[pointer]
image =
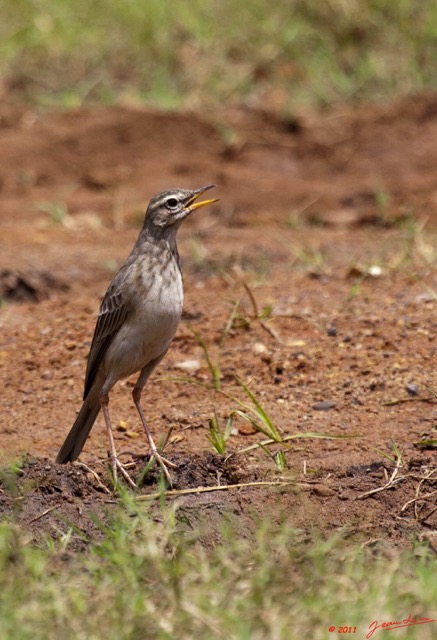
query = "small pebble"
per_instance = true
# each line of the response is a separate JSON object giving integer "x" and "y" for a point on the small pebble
{"x": 375, "y": 271}
{"x": 323, "y": 405}
{"x": 331, "y": 331}
{"x": 412, "y": 389}
{"x": 323, "y": 491}
{"x": 188, "y": 365}
{"x": 259, "y": 347}
{"x": 296, "y": 343}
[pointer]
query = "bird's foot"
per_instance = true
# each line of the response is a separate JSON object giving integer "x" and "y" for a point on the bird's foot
{"x": 118, "y": 466}
{"x": 164, "y": 464}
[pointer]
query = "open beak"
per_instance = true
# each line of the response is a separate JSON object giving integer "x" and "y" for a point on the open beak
{"x": 192, "y": 205}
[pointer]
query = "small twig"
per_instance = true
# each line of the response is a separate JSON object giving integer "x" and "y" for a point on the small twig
{"x": 252, "y": 298}
{"x": 392, "y": 403}
{"x": 418, "y": 497}
{"x": 296, "y": 436}
{"x": 430, "y": 390}
{"x": 95, "y": 476}
{"x": 428, "y": 515}
{"x": 224, "y": 487}
{"x": 43, "y": 514}
{"x": 414, "y": 476}
{"x": 166, "y": 439}
{"x": 257, "y": 314}
{"x": 231, "y": 319}
{"x": 391, "y": 482}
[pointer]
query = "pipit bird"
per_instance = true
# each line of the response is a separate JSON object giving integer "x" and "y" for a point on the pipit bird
{"x": 138, "y": 318}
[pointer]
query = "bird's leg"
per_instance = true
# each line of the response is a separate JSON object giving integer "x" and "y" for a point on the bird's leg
{"x": 115, "y": 462}
{"x": 136, "y": 395}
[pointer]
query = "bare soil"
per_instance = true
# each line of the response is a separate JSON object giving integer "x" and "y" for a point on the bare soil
{"x": 318, "y": 230}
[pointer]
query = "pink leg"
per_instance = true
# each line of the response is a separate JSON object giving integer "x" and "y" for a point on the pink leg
{"x": 115, "y": 462}
{"x": 136, "y": 395}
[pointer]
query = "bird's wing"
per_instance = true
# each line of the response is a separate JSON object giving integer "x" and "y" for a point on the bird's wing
{"x": 113, "y": 311}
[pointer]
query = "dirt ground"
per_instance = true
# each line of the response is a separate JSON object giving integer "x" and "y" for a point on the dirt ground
{"x": 313, "y": 280}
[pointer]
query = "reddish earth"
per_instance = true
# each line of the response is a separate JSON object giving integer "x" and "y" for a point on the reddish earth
{"x": 325, "y": 225}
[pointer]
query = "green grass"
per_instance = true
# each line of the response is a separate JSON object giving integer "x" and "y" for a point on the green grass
{"x": 149, "y": 579}
{"x": 204, "y": 52}
{"x": 219, "y": 436}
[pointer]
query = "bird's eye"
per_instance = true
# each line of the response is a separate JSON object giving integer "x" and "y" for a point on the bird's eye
{"x": 172, "y": 203}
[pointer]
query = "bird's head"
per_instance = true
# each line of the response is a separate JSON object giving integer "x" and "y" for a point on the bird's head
{"x": 169, "y": 208}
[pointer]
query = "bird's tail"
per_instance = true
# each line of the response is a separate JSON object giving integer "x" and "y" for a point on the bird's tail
{"x": 80, "y": 430}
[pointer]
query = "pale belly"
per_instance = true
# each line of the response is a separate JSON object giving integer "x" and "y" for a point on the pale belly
{"x": 147, "y": 333}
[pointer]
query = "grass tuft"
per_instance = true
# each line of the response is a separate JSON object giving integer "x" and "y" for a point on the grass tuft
{"x": 148, "y": 579}
{"x": 219, "y": 437}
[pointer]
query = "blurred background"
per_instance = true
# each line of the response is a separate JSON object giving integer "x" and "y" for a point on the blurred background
{"x": 282, "y": 56}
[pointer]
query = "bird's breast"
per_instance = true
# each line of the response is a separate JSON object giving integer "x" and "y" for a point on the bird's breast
{"x": 163, "y": 297}
{"x": 151, "y": 324}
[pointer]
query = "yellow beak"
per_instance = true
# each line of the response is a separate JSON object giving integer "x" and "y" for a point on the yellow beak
{"x": 192, "y": 205}
{"x": 202, "y": 203}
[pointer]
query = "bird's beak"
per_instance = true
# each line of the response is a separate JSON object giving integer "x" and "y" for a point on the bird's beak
{"x": 192, "y": 205}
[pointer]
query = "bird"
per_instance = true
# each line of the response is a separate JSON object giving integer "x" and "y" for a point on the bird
{"x": 138, "y": 318}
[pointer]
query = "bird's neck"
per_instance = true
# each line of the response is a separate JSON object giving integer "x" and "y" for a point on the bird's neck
{"x": 162, "y": 237}
{"x": 158, "y": 241}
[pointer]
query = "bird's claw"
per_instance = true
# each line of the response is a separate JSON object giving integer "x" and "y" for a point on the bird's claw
{"x": 116, "y": 464}
{"x": 164, "y": 463}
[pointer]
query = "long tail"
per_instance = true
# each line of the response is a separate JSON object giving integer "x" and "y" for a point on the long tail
{"x": 80, "y": 430}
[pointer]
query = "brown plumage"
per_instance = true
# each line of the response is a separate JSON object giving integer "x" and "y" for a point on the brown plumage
{"x": 138, "y": 318}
